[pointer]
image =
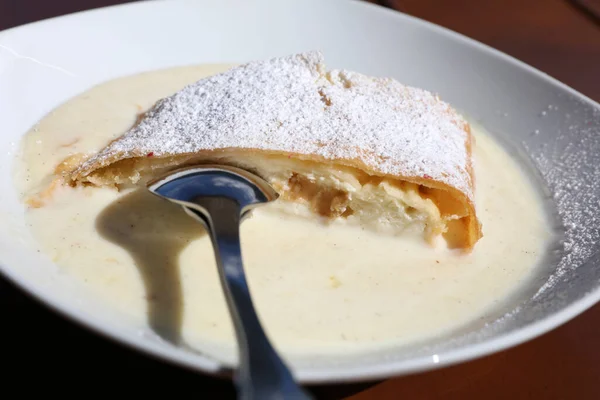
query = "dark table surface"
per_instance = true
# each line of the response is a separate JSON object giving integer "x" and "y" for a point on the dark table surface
{"x": 559, "y": 37}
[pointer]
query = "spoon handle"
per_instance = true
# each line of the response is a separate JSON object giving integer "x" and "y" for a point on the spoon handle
{"x": 261, "y": 373}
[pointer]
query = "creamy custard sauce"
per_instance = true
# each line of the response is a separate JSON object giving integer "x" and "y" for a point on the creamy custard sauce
{"x": 318, "y": 289}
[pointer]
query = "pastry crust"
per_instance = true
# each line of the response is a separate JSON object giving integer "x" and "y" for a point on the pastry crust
{"x": 291, "y": 108}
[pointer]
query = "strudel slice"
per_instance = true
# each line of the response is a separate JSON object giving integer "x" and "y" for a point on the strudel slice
{"x": 338, "y": 143}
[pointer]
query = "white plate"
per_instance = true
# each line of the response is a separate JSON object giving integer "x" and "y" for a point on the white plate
{"x": 44, "y": 64}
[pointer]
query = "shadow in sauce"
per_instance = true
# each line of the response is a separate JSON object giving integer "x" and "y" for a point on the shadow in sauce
{"x": 154, "y": 232}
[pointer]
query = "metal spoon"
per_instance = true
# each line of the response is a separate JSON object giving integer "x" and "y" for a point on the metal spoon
{"x": 219, "y": 197}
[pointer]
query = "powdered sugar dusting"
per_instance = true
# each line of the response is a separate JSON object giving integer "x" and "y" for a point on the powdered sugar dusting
{"x": 292, "y": 105}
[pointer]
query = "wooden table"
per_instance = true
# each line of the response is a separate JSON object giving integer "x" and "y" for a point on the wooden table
{"x": 552, "y": 35}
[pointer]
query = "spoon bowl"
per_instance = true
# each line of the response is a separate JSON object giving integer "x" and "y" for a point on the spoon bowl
{"x": 185, "y": 185}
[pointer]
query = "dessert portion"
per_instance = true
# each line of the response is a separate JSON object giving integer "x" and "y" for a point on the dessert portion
{"x": 344, "y": 145}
